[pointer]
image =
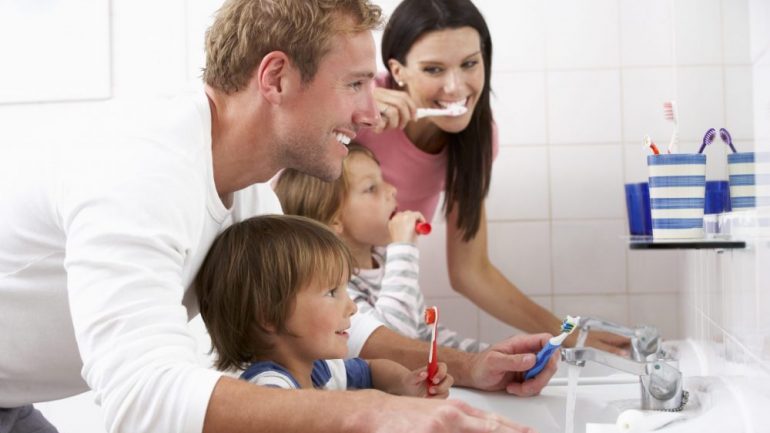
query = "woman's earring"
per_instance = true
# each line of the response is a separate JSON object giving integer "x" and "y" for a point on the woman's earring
{"x": 400, "y": 83}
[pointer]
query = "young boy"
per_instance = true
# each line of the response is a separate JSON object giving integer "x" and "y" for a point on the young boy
{"x": 361, "y": 208}
{"x": 272, "y": 294}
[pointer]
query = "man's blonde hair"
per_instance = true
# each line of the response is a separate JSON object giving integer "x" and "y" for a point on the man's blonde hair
{"x": 244, "y": 31}
{"x": 304, "y": 195}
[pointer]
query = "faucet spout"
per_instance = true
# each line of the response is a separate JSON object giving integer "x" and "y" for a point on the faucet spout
{"x": 579, "y": 356}
{"x": 645, "y": 340}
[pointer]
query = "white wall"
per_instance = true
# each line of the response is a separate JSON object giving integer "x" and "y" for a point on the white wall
{"x": 576, "y": 86}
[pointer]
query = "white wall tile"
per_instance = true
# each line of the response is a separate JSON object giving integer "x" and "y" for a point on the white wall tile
{"x": 762, "y": 101}
{"x": 654, "y": 271}
{"x": 458, "y": 314}
{"x": 149, "y": 49}
{"x": 518, "y": 33}
{"x": 739, "y": 103}
{"x": 635, "y": 163}
{"x": 434, "y": 277}
{"x": 522, "y": 252}
{"x": 613, "y": 308}
{"x": 759, "y": 25}
{"x": 519, "y": 187}
{"x": 587, "y": 182}
{"x": 582, "y": 34}
{"x": 735, "y": 32}
{"x": 644, "y": 92}
{"x": 646, "y": 33}
{"x": 584, "y": 106}
{"x": 518, "y": 104}
{"x": 493, "y": 331}
{"x": 698, "y": 32}
{"x": 658, "y": 310}
{"x": 701, "y": 102}
{"x": 589, "y": 257}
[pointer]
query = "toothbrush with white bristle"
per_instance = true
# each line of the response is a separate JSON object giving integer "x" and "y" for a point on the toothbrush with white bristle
{"x": 567, "y": 326}
{"x": 451, "y": 110}
{"x": 671, "y": 113}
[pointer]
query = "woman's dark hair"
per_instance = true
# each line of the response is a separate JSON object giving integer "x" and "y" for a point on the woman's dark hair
{"x": 469, "y": 153}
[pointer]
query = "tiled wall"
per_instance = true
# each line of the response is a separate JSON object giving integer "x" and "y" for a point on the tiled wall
{"x": 727, "y": 297}
{"x": 577, "y": 85}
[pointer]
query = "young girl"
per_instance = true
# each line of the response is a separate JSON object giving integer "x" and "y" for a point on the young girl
{"x": 361, "y": 208}
{"x": 272, "y": 294}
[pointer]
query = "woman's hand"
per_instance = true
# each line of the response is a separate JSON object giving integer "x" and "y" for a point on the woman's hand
{"x": 396, "y": 109}
{"x": 402, "y": 226}
{"x": 415, "y": 383}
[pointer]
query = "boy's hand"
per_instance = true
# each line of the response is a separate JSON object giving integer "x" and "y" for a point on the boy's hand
{"x": 402, "y": 226}
{"x": 416, "y": 383}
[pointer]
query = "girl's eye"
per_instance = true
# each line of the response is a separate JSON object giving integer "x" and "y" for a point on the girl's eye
{"x": 371, "y": 188}
{"x": 432, "y": 70}
{"x": 332, "y": 292}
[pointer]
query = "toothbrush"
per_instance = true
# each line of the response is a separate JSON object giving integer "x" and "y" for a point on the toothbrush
{"x": 727, "y": 138}
{"x": 649, "y": 144}
{"x": 431, "y": 318}
{"x": 670, "y": 112}
{"x": 422, "y": 228}
{"x": 708, "y": 137}
{"x": 567, "y": 326}
{"x": 452, "y": 110}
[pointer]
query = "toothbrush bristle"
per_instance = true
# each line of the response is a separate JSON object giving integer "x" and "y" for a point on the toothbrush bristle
{"x": 569, "y": 324}
{"x": 430, "y": 315}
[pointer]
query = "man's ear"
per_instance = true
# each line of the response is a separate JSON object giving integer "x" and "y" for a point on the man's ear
{"x": 273, "y": 76}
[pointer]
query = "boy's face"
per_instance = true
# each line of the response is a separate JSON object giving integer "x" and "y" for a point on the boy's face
{"x": 319, "y": 322}
{"x": 329, "y": 110}
{"x": 369, "y": 204}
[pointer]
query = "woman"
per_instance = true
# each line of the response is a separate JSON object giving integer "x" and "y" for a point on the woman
{"x": 438, "y": 54}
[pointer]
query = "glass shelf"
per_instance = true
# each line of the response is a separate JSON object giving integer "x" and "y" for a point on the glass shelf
{"x": 715, "y": 243}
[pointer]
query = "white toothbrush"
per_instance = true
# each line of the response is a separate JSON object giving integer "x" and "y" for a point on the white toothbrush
{"x": 452, "y": 110}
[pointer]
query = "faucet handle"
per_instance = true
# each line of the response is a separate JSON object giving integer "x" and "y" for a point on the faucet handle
{"x": 645, "y": 342}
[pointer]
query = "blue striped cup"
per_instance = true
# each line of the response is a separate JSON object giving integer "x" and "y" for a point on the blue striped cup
{"x": 677, "y": 195}
{"x": 749, "y": 179}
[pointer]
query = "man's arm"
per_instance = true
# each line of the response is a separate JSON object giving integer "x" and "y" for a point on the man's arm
{"x": 241, "y": 407}
{"x": 502, "y": 366}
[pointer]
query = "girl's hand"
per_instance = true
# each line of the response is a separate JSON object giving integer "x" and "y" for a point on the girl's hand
{"x": 402, "y": 226}
{"x": 396, "y": 109}
{"x": 415, "y": 383}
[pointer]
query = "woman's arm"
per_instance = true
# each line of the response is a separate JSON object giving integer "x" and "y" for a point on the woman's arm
{"x": 472, "y": 274}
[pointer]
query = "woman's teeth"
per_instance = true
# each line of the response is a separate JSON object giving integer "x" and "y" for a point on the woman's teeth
{"x": 342, "y": 138}
{"x": 460, "y": 103}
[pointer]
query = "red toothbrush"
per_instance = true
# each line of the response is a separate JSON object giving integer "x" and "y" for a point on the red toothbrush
{"x": 422, "y": 228}
{"x": 431, "y": 318}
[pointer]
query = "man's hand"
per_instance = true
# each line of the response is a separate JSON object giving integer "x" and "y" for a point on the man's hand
{"x": 401, "y": 414}
{"x": 503, "y": 366}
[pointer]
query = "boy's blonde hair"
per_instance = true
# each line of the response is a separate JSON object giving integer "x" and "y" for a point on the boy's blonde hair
{"x": 311, "y": 197}
{"x": 248, "y": 282}
{"x": 244, "y": 31}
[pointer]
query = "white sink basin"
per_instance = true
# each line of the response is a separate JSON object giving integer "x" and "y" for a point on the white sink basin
{"x": 547, "y": 412}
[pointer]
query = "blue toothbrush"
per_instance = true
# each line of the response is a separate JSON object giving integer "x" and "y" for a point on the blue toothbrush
{"x": 567, "y": 326}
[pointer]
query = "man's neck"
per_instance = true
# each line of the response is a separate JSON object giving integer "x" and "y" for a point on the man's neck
{"x": 240, "y": 156}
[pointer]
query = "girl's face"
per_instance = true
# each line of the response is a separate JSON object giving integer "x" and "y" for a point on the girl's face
{"x": 369, "y": 204}
{"x": 444, "y": 67}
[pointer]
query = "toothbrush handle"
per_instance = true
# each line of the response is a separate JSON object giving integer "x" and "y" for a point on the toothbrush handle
{"x": 542, "y": 359}
{"x": 432, "y": 363}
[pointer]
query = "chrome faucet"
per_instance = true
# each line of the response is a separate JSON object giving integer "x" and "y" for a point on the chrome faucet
{"x": 645, "y": 340}
{"x": 661, "y": 383}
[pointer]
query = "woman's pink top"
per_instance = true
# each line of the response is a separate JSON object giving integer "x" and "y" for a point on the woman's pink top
{"x": 418, "y": 176}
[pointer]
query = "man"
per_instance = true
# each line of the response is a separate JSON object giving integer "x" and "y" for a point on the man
{"x": 101, "y": 239}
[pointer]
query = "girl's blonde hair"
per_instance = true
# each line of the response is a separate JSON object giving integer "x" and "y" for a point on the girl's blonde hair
{"x": 250, "y": 278}
{"x": 308, "y": 196}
